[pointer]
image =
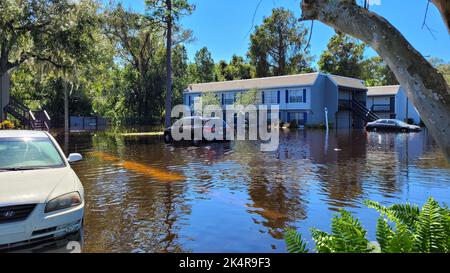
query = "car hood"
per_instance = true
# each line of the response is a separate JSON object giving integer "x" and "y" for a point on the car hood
{"x": 35, "y": 186}
{"x": 413, "y": 126}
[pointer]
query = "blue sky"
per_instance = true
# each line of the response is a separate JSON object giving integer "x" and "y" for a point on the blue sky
{"x": 223, "y": 25}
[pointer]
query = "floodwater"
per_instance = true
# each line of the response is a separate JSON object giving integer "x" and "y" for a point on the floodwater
{"x": 145, "y": 196}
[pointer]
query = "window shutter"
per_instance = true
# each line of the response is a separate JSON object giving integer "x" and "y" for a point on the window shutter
{"x": 287, "y": 96}
{"x": 262, "y": 95}
{"x": 278, "y": 97}
{"x": 189, "y": 103}
{"x": 304, "y": 96}
{"x": 223, "y": 99}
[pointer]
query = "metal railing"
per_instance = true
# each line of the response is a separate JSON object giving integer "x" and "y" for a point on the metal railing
{"x": 34, "y": 120}
{"x": 381, "y": 108}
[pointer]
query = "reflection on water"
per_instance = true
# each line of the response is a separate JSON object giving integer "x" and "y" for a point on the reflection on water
{"x": 140, "y": 168}
{"x": 230, "y": 197}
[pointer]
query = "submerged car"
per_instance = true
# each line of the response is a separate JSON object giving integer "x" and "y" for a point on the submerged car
{"x": 391, "y": 125}
{"x": 41, "y": 197}
{"x": 201, "y": 124}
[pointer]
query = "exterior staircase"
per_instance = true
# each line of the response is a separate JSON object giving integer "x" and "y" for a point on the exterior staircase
{"x": 34, "y": 120}
{"x": 361, "y": 110}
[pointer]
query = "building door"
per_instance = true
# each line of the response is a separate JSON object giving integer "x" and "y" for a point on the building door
{"x": 392, "y": 104}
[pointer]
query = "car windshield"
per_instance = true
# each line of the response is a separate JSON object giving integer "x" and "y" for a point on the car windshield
{"x": 28, "y": 154}
{"x": 215, "y": 120}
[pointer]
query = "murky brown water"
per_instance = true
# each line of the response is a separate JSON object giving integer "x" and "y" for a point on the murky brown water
{"x": 145, "y": 196}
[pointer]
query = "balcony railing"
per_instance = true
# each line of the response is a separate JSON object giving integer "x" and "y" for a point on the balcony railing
{"x": 381, "y": 108}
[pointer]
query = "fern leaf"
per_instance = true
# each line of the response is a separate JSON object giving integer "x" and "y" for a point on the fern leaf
{"x": 445, "y": 212}
{"x": 324, "y": 241}
{"x": 295, "y": 242}
{"x": 430, "y": 229}
{"x": 406, "y": 213}
{"x": 402, "y": 240}
{"x": 348, "y": 234}
{"x": 384, "y": 234}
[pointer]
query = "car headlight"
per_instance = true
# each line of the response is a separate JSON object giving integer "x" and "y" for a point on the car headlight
{"x": 65, "y": 201}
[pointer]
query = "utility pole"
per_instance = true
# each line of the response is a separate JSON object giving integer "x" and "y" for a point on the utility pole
{"x": 66, "y": 107}
{"x": 168, "y": 122}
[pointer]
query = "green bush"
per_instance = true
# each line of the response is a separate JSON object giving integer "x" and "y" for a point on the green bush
{"x": 400, "y": 229}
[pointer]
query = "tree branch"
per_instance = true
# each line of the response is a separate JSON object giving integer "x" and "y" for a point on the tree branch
{"x": 424, "y": 85}
{"x": 444, "y": 8}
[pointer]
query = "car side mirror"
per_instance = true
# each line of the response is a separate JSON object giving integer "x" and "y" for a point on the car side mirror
{"x": 74, "y": 158}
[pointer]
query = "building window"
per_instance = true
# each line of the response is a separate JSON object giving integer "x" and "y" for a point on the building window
{"x": 297, "y": 117}
{"x": 296, "y": 96}
{"x": 270, "y": 97}
{"x": 229, "y": 98}
{"x": 192, "y": 100}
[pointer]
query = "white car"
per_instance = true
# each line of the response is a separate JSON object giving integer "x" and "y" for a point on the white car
{"x": 41, "y": 197}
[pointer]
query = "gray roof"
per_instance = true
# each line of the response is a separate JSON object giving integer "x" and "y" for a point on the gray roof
{"x": 260, "y": 83}
{"x": 389, "y": 90}
{"x": 274, "y": 82}
{"x": 348, "y": 82}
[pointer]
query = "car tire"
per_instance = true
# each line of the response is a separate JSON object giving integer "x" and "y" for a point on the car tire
{"x": 167, "y": 138}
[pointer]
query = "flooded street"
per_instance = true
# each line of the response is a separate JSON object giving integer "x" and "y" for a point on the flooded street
{"x": 145, "y": 196}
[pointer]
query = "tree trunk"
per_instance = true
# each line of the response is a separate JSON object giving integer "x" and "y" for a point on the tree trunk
{"x": 444, "y": 8}
{"x": 5, "y": 85}
{"x": 66, "y": 107}
{"x": 168, "y": 122}
{"x": 424, "y": 85}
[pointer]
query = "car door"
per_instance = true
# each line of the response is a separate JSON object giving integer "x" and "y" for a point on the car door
{"x": 391, "y": 125}
{"x": 197, "y": 127}
{"x": 381, "y": 125}
{"x": 186, "y": 124}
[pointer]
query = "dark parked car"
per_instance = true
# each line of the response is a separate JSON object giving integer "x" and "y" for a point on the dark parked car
{"x": 198, "y": 123}
{"x": 391, "y": 125}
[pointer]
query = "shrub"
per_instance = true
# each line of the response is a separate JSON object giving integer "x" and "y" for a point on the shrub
{"x": 400, "y": 229}
{"x": 6, "y": 124}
